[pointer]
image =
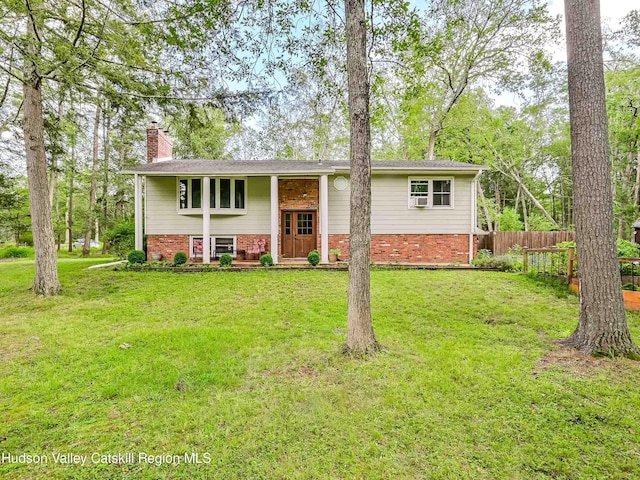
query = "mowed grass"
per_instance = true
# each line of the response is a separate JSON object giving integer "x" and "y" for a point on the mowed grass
{"x": 245, "y": 369}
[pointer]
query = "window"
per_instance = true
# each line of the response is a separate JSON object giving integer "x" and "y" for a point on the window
{"x": 427, "y": 192}
{"x": 239, "y": 193}
{"x": 225, "y": 192}
{"x": 218, "y": 246}
{"x": 226, "y": 195}
{"x": 305, "y": 224}
{"x": 196, "y": 193}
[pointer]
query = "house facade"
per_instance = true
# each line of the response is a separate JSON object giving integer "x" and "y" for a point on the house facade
{"x": 421, "y": 212}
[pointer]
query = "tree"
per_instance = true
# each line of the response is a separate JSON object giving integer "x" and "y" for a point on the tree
{"x": 360, "y": 336}
{"x": 602, "y": 326}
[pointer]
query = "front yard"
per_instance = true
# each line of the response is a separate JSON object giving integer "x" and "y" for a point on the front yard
{"x": 244, "y": 369}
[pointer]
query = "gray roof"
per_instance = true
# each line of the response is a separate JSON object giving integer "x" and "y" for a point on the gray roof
{"x": 288, "y": 167}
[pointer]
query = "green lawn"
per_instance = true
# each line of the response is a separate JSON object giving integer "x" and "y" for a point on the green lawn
{"x": 244, "y": 369}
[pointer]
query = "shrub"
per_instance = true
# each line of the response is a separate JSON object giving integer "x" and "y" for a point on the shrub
{"x": 485, "y": 259}
{"x": 627, "y": 249}
{"x": 266, "y": 260}
{"x": 335, "y": 251}
{"x": 121, "y": 239}
{"x": 27, "y": 239}
{"x": 137, "y": 256}
{"x": 225, "y": 260}
{"x": 11, "y": 251}
{"x": 180, "y": 258}
{"x": 630, "y": 286}
{"x": 509, "y": 221}
{"x": 313, "y": 257}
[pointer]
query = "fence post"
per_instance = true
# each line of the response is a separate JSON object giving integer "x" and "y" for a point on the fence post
{"x": 525, "y": 260}
{"x": 570, "y": 262}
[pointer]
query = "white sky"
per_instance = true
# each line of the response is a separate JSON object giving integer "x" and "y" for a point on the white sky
{"x": 611, "y": 12}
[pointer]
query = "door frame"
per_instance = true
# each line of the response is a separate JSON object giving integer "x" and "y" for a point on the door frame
{"x": 294, "y": 223}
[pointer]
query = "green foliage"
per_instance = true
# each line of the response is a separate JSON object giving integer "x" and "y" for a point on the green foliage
{"x": 335, "y": 251}
{"x": 266, "y": 260}
{"x": 540, "y": 223}
{"x": 630, "y": 287}
{"x": 12, "y": 251}
{"x": 485, "y": 259}
{"x": 137, "y": 257}
{"x": 627, "y": 249}
{"x": 225, "y": 260}
{"x": 199, "y": 132}
{"x": 509, "y": 221}
{"x": 313, "y": 257}
{"x": 121, "y": 239}
{"x": 180, "y": 258}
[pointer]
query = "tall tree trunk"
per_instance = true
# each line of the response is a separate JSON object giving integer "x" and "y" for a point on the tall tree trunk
{"x": 72, "y": 174}
{"x": 94, "y": 182}
{"x": 432, "y": 144}
{"x": 53, "y": 175}
{"x": 360, "y": 336}
{"x": 525, "y": 215}
{"x": 46, "y": 280}
{"x": 602, "y": 327}
{"x": 485, "y": 210}
{"x": 105, "y": 177}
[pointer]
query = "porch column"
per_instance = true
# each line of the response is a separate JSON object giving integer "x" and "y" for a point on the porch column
{"x": 137, "y": 210}
{"x": 274, "y": 218}
{"x": 206, "y": 221}
{"x": 324, "y": 219}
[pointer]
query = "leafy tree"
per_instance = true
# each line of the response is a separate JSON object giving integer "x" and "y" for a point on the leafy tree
{"x": 361, "y": 338}
{"x": 602, "y": 326}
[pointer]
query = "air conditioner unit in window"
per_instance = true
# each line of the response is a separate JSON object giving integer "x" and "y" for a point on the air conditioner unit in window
{"x": 422, "y": 202}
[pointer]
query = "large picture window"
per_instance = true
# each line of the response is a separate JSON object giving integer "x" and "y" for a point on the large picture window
{"x": 218, "y": 246}
{"x": 430, "y": 192}
{"x": 225, "y": 194}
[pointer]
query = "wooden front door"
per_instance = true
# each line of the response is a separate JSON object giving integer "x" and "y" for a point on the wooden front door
{"x": 298, "y": 234}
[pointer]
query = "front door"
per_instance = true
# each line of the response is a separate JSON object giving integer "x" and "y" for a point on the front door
{"x": 298, "y": 234}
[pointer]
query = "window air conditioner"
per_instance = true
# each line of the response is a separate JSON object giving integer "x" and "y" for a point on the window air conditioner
{"x": 422, "y": 202}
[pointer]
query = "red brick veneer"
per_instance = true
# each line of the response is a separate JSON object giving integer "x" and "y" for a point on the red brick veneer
{"x": 389, "y": 248}
{"x": 167, "y": 245}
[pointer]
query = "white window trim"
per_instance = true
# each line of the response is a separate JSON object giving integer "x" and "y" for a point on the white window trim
{"x": 410, "y": 203}
{"x": 212, "y": 245}
{"x": 232, "y": 210}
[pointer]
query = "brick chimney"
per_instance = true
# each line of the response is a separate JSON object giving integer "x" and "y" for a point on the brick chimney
{"x": 159, "y": 145}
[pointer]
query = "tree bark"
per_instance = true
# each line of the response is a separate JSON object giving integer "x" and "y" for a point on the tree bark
{"x": 485, "y": 210}
{"x": 94, "y": 183}
{"x": 105, "y": 179}
{"x": 602, "y": 327}
{"x": 46, "y": 280}
{"x": 361, "y": 339}
{"x": 72, "y": 174}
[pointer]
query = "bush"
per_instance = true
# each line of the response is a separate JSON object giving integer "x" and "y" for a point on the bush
{"x": 121, "y": 239}
{"x": 137, "y": 256}
{"x": 509, "y": 221}
{"x": 12, "y": 251}
{"x": 26, "y": 239}
{"x": 627, "y": 249}
{"x": 180, "y": 258}
{"x": 225, "y": 260}
{"x": 485, "y": 259}
{"x": 266, "y": 260}
{"x": 313, "y": 257}
{"x": 630, "y": 286}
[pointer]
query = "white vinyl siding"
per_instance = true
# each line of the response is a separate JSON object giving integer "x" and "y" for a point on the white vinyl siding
{"x": 389, "y": 212}
{"x": 162, "y": 216}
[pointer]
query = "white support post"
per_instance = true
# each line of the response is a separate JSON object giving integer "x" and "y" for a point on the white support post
{"x": 274, "y": 218}
{"x": 474, "y": 214}
{"x": 137, "y": 210}
{"x": 206, "y": 221}
{"x": 324, "y": 219}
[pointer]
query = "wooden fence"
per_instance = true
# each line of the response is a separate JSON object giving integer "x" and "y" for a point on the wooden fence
{"x": 501, "y": 242}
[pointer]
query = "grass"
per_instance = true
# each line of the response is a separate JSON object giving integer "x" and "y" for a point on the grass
{"x": 244, "y": 368}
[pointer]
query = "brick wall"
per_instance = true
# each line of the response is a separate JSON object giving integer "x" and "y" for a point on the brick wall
{"x": 159, "y": 145}
{"x": 412, "y": 248}
{"x": 167, "y": 245}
